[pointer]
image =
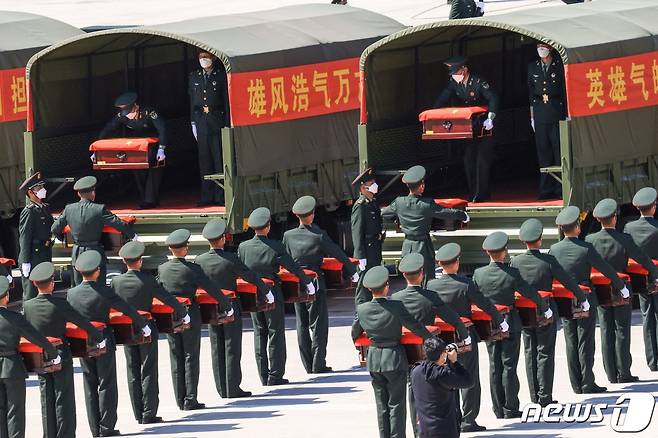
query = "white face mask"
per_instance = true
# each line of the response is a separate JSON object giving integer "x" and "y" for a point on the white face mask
{"x": 205, "y": 62}
{"x": 543, "y": 52}
{"x": 458, "y": 78}
{"x": 41, "y": 193}
{"x": 373, "y": 188}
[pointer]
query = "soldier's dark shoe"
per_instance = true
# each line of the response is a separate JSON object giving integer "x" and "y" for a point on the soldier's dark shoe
{"x": 513, "y": 414}
{"x": 147, "y": 205}
{"x": 499, "y": 415}
{"x": 193, "y": 406}
{"x": 239, "y": 394}
{"x": 151, "y": 420}
{"x": 112, "y": 432}
{"x": 628, "y": 379}
{"x": 653, "y": 368}
{"x": 472, "y": 428}
{"x": 612, "y": 380}
{"x": 324, "y": 370}
{"x": 596, "y": 389}
{"x": 577, "y": 390}
{"x": 545, "y": 403}
{"x": 275, "y": 382}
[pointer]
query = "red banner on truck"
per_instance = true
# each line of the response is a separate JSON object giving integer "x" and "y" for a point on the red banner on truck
{"x": 13, "y": 95}
{"x": 290, "y": 93}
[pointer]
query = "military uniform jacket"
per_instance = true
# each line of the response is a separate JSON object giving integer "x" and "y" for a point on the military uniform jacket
{"x": 265, "y": 256}
{"x": 225, "y": 267}
{"x": 474, "y": 91}
{"x": 459, "y": 292}
{"x": 616, "y": 248}
{"x": 577, "y": 257}
{"x": 425, "y": 305}
{"x": 182, "y": 278}
{"x": 382, "y": 320}
{"x": 208, "y": 90}
{"x": 86, "y": 220}
{"x": 49, "y": 315}
{"x": 34, "y": 230}
{"x": 139, "y": 288}
{"x": 464, "y": 9}
{"x": 644, "y": 232}
{"x": 12, "y": 326}
{"x": 309, "y": 244}
{"x": 546, "y": 91}
{"x": 366, "y": 225}
{"x": 498, "y": 282}
{"x": 540, "y": 269}
{"x": 415, "y": 215}
{"x": 147, "y": 124}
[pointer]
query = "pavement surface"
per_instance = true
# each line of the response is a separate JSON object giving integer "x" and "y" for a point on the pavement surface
{"x": 338, "y": 404}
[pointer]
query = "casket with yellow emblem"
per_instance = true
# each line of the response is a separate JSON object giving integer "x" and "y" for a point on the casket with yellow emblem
{"x": 125, "y": 153}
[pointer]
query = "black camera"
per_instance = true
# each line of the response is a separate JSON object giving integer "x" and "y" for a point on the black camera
{"x": 451, "y": 347}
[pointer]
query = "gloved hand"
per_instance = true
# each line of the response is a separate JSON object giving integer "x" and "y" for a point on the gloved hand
{"x": 269, "y": 297}
{"x": 532, "y": 123}
{"x": 480, "y": 6}
{"x": 146, "y": 331}
{"x": 194, "y": 131}
{"x": 57, "y": 360}
{"x": 364, "y": 262}
{"x": 10, "y": 279}
{"x": 310, "y": 289}
{"x": 101, "y": 344}
{"x": 355, "y": 277}
{"x": 548, "y": 314}
{"x": 25, "y": 269}
{"x": 625, "y": 292}
{"x": 230, "y": 312}
{"x": 504, "y": 326}
{"x": 467, "y": 340}
{"x": 135, "y": 238}
{"x": 488, "y": 124}
{"x": 92, "y": 157}
{"x": 186, "y": 318}
{"x": 468, "y": 218}
{"x": 160, "y": 155}
{"x": 585, "y": 306}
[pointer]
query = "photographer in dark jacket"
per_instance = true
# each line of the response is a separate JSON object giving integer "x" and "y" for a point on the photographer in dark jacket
{"x": 434, "y": 381}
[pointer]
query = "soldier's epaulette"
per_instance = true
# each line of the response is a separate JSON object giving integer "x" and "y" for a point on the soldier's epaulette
{"x": 360, "y": 201}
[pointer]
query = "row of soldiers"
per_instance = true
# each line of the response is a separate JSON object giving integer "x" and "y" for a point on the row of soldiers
{"x": 257, "y": 261}
{"x": 570, "y": 261}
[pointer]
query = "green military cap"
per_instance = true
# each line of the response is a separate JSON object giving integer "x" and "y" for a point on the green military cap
{"x": 259, "y": 218}
{"x": 414, "y": 175}
{"x": 88, "y": 261}
{"x": 178, "y": 238}
{"x": 214, "y": 229}
{"x": 454, "y": 64}
{"x": 364, "y": 177}
{"x": 605, "y": 208}
{"x": 411, "y": 263}
{"x": 33, "y": 180}
{"x": 376, "y": 277}
{"x": 126, "y": 99}
{"x": 42, "y": 272}
{"x": 495, "y": 241}
{"x": 85, "y": 184}
{"x": 645, "y": 197}
{"x": 448, "y": 252}
{"x": 4, "y": 286}
{"x": 304, "y": 205}
{"x": 568, "y": 216}
{"x": 132, "y": 250}
{"x": 531, "y": 230}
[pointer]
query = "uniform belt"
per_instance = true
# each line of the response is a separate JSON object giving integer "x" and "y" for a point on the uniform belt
{"x": 88, "y": 244}
{"x": 47, "y": 243}
{"x": 8, "y": 353}
{"x": 384, "y": 344}
{"x": 417, "y": 237}
{"x": 378, "y": 236}
{"x": 207, "y": 108}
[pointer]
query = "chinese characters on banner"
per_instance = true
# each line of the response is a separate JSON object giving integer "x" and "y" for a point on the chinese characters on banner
{"x": 294, "y": 92}
{"x": 13, "y": 95}
{"x": 612, "y": 84}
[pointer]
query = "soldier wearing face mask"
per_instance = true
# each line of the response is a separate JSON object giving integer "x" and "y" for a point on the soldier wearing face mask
{"x": 208, "y": 102}
{"x": 34, "y": 231}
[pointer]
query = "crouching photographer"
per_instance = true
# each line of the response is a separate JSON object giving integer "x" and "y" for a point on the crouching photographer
{"x": 434, "y": 382}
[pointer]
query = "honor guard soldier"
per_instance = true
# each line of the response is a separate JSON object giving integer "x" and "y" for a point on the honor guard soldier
{"x": 577, "y": 258}
{"x": 34, "y": 225}
{"x": 547, "y": 107}
{"x": 615, "y": 321}
{"x": 539, "y": 270}
{"x": 208, "y": 101}
{"x": 415, "y": 213}
{"x": 49, "y": 315}
{"x": 498, "y": 281}
{"x": 265, "y": 256}
{"x": 94, "y": 300}
{"x": 308, "y": 244}
{"x": 644, "y": 232}
{"x": 468, "y": 89}
{"x": 12, "y": 370}
{"x": 142, "y": 121}
{"x": 224, "y": 268}
{"x": 382, "y": 320}
{"x": 138, "y": 289}
{"x": 424, "y": 305}
{"x": 86, "y": 220}
{"x": 458, "y": 292}
{"x": 182, "y": 278}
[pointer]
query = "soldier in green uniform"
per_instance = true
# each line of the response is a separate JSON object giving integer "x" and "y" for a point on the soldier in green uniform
{"x": 12, "y": 370}
{"x": 308, "y": 244}
{"x": 424, "y": 305}
{"x": 577, "y": 258}
{"x": 138, "y": 289}
{"x": 86, "y": 220}
{"x": 265, "y": 256}
{"x": 458, "y": 292}
{"x": 182, "y": 278}
{"x": 224, "y": 268}
{"x": 539, "y": 270}
{"x": 415, "y": 214}
{"x": 644, "y": 232}
{"x": 615, "y": 321}
{"x": 49, "y": 315}
{"x": 34, "y": 231}
{"x": 498, "y": 281}
{"x": 94, "y": 300}
{"x": 382, "y": 320}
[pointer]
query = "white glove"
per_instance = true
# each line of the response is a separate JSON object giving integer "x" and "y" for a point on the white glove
{"x": 548, "y": 314}
{"x": 480, "y": 5}
{"x": 310, "y": 289}
{"x": 488, "y": 124}
{"x": 468, "y": 218}
{"x": 194, "y": 130}
{"x": 504, "y": 326}
{"x": 269, "y": 297}
{"x": 230, "y": 312}
{"x": 146, "y": 331}
{"x": 136, "y": 238}
{"x": 101, "y": 344}
{"x": 625, "y": 292}
{"x": 355, "y": 277}
{"x": 585, "y": 306}
{"x": 10, "y": 279}
{"x": 467, "y": 340}
{"x": 364, "y": 262}
{"x": 532, "y": 123}
{"x": 186, "y": 318}
{"x": 57, "y": 360}
{"x": 25, "y": 269}
{"x": 160, "y": 155}
{"x": 92, "y": 157}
